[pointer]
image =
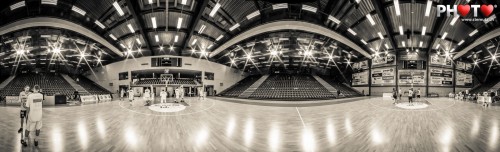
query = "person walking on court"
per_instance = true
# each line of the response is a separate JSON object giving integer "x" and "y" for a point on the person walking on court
{"x": 400, "y": 94}
{"x": 34, "y": 104}
{"x": 23, "y": 96}
{"x": 122, "y": 94}
{"x": 394, "y": 96}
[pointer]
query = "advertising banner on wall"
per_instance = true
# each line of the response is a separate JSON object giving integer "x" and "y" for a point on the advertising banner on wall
{"x": 383, "y": 76}
{"x": 412, "y": 77}
{"x": 360, "y": 65}
{"x": 469, "y": 66}
{"x": 464, "y": 79}
{"x": 440, "y": 60}
{"x": 383, "y": 60}
{"x": 460, "y": 65}
{"x": 441, "y": 77}
{"x": 359, "y": 79}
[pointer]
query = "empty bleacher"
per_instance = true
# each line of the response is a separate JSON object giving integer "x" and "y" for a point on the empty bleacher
{"x": 345, "y": 90}
{"x": 291, "y": 87}
{"x": 50, "y": 84}
{"x": 91, "y": 86}
{"x": 238, "y": 88}
{"x": 150, "y": 81}
{"x": 486, "y": 86}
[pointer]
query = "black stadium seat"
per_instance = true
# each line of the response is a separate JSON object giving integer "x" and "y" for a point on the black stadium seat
{"x": 283, "y": 86}
{"x": 238, "y": 88}
{"x": 50, "y": 84}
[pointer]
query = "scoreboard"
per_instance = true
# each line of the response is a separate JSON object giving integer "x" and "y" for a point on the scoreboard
{"x": 166, "y": 62}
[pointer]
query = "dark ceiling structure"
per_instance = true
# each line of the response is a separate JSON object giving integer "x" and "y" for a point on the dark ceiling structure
{"x": 197, "y": 27}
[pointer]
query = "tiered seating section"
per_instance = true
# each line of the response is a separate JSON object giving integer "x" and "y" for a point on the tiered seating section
{"x": 486, "y": 86}
{"x": 241, "y": 86}
{"x": 291, "y": 87}
{"x": 91, "y": 87}
{"x": 49, "y": 83}
{"x": 345, "y": 90}
{"x": 175, "y": 81}
{"x": 3, "y": 78}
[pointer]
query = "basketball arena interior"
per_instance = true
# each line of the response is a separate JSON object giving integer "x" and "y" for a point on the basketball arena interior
{"x": 249, "y": 75}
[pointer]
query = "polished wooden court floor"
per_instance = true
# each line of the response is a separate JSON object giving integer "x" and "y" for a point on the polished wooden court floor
{"x": 369, "y": 124}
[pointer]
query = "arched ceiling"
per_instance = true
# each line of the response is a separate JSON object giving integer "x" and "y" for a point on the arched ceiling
{"x": 152, "y": 27}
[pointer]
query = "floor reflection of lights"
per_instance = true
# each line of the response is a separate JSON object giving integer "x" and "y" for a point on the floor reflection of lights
{"x": 202, "y": 136}
{"x": 82, "y": 133}
{"x": 446, "y": 138}
{"x": 249, "y": 131}
{"x": 131, "y": 136}
{"x": 57, "y": 142}
{"x": 101, "y": 128}
{"x": 308, "y": 140}
{"x": 377, "y": 137}
{"x": 231, "y": 124}
{"x": 494, "y": 135}
{"x": 330, "y": 129}
{"x": 274, "y": 137}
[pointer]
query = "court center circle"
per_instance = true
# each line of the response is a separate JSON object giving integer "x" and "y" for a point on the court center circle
{"x": 167, "y": 107}
{"x": 412, "y": 106}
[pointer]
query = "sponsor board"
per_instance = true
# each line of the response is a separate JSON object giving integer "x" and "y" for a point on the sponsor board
{"x": 441, "y": 77}
{"x": 464, "y": 79}
{"x": 360, "y": 78}
{"x": 12, "y": 100}
{"x": 385, "y": 76}
{"x": 440, "y": 60}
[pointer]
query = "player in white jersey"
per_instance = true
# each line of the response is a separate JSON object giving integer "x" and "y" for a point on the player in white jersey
{"x": 147, "y": 96}
{"x": 22, "y": 99}
{"x": 163, "y": 96}
{"x": 201, "y": 93}
{"x": 177, "y": 92}
{"x": 181, "y": 92}
{"x": 130, "y": 95}
{"x": 122, "y": 94}
{"x": 34, "y": 105}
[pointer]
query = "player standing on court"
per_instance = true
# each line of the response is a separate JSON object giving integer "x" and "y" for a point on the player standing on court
{"x": 181, "y": 92}
{"x": 130, "y": 95}
{"x": 23, "y": 95}
{"x": 34, "y": 106}
{"x": 122, "y": 94}
{"x": 163, "y": 96}
{"x": 147, "y": 96}
{"x": 201, "y": 93}
{"x": 177, "y": 94}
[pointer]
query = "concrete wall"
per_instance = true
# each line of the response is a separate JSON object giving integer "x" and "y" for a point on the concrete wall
{"x": 378, "y": 91}
{"x": 360, "y": 89}
{"x": 109, "y": 73}
{"x": 442, "y": 91}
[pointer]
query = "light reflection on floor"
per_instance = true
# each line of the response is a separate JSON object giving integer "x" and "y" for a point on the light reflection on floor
{"x": 366, "y": 125}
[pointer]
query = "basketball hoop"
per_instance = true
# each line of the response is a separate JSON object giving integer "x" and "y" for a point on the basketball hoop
{"x": 166, "y": 78}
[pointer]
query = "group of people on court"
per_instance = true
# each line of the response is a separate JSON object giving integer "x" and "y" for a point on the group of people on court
{"x": 149, "y": 96}
{"x": 31, "y": 113}
{"x": 412, "y": 95}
